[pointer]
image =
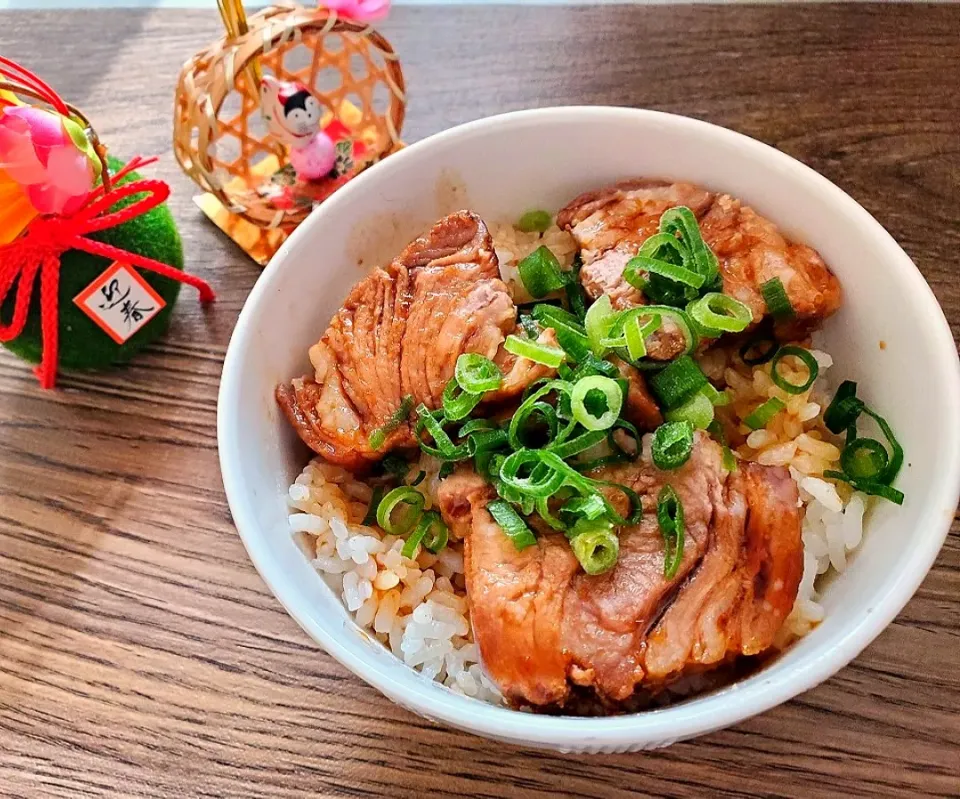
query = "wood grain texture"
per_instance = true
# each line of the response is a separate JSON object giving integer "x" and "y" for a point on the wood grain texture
{"x": 140, "y": 653}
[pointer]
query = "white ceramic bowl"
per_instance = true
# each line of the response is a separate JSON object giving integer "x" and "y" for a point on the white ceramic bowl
{"x": 500, "y": 167}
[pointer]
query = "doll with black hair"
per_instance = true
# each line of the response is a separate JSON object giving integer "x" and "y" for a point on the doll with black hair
{"x": 293, "y": 116}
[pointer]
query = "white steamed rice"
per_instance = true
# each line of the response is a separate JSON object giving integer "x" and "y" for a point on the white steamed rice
{"x": 418, "y": 608}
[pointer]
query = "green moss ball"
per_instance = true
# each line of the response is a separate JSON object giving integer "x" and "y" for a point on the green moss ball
{"x": 83, "y": 344}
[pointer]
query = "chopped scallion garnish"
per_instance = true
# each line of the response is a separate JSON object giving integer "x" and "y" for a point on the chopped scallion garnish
{"x": 442, "y": 448}
{"x": 535, "y": 222}
{"x": 717, "y": 313}
{"x": 477, "y": 374}
{"x": 775, "y": 296}
{"x": 698, "y": 411}
{"x": 457, "y": 403}
{"x": 670, "y": 520}
{"x": 431, "y": 532}
{"x": 763, "y": 413}
{"x": 511, "y": 524}
{"x": 596, "y": 401}
{"x": 534, "y": 351}
{"x": 677, "y": 382}
{"x": 844, "y": 409}
{"x": 400, "y": 510}
{"x": 595, "y": 545}
{"x": 672, "y": 444}
{"x": 598, "y": 322}
{"x": 813, "y": 369}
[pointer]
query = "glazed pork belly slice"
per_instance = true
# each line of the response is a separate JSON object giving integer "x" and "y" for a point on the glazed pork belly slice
{"x": 399, "y": 333}
{"x": 610, "y": 225}
{"x": 543, "y": 625}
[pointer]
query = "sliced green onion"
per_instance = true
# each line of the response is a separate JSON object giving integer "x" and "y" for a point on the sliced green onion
{"x": 872, "y": 487}
{"x": 654, "y": 316}
{"x": 762, "y": 414}
{"x": 775, "y": 296}
{"x": 864, "y": 459}
{"x": 590, "y": 507}
{"x": 592, "y": 365}
{"x": 443, "y": 448}
{"x": 431, "y": 532}
{"x": 716, "y": 397}
{"x": 640, "y": 264}
{"x": 759, "y": 350}
{"x": 571, "y": 337}
{"x": 677, "y": 382}
{"x": 457, "y": 403}
{"x": 379, "y": 436}
{"x": 534, "y": 351}
{"x": 665, "y": 247}
{"x": 598, "y": 321}
{"x": 718, "y": 313}
{"x": 477, "y": 374}
{"x": 635, "y": 335}
{"x": 595, "y": 546}
{"x": 670, "y": 520}
{"x": 547, "y": 314}
{"x": 542, "y": 481}
{"x": 446, "y": 469}
{"x": 535, "y": 222}
{"x": 577, "y": 445}
{"x": 511, "y": 524}
{"x": 672, "y": 444}
{"x": 813, "y": 369}
{"x": 476, "y": 425}
{"x": 681, "y": 221}
{"x": 533, "y": 404}
{"x": 698, "y": 411}
{"x": 540, "y": 272}
{"x": 371, "y": 516}
{"x": 401, "y": 496}
{"x": 587, "y": 390}
{"x": 484, "y": 440}
{"x": 844, "y": 409}
{"x": 585, "y": 485}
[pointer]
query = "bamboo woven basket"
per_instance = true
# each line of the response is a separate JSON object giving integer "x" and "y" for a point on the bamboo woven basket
{"x": 219, "y": 137}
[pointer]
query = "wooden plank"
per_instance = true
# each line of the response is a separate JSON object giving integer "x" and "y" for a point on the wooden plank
{"x": 140, "y": 654}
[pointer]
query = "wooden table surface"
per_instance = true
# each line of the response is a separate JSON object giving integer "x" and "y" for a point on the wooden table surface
{"x": 140, "y": 653}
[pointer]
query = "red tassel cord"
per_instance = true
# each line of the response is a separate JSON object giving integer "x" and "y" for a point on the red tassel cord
{"x": 38, "y": 251}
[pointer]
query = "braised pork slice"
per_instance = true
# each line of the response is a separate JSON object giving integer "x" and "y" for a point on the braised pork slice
{"x": 542, "y": 624}
{"x": 398, "y": 334}
{"x": 611, "y": 224}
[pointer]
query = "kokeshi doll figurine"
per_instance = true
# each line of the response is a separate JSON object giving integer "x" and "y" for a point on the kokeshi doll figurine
{"x": 293, "y": 116}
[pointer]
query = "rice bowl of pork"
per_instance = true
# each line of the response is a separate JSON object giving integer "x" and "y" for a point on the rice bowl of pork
{"x": 890, "y": 336}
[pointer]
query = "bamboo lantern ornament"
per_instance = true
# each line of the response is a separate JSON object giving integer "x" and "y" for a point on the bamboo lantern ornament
{"x": 255, "y": 188}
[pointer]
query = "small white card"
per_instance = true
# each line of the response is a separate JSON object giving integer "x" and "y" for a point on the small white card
{"x": 120, "y": 301}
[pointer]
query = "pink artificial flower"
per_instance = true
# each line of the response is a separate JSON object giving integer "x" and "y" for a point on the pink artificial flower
{"x": 38, "y": 152}
{"x": 359, "y": 10}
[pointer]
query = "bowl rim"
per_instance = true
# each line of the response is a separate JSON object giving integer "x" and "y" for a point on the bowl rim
{"x": 651, "y": 728}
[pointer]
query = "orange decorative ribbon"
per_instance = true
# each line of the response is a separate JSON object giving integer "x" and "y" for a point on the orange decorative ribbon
{"x": 39, "y": 249}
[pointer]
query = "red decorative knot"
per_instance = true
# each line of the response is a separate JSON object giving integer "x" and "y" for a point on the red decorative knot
{"x": 38, "y": 251}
